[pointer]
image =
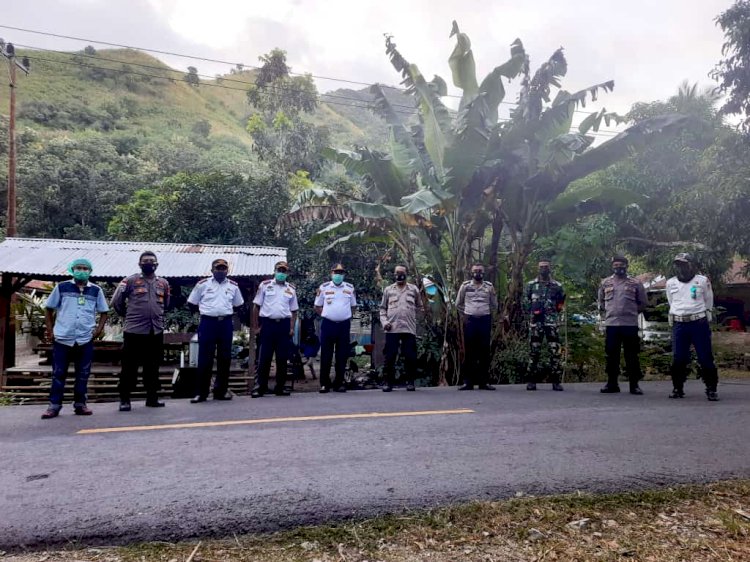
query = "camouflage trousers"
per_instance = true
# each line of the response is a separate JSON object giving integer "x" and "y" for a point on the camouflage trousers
{"x": 538, "y": 332}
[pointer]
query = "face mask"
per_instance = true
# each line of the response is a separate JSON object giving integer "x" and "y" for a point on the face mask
{"x": 431, "y": 290}
{"x": 401, "y": 277}
{"x": 148, "y": 268}
{"x": 544, "y": 272}
{"x": 337, "y": 278}
{"x": 685, "y": 273}
{"x": 280, "y": 276}
{"x": 478, "y": 275}
{"x": 79, "y": 275}
{"x": 620, "y": 271}
{"x": 220, "y": 275}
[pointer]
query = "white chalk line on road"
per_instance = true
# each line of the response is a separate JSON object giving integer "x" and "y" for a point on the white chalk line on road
{"x": 193, "y": 425}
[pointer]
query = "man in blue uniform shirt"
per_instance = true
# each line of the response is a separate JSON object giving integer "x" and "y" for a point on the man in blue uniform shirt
{"x": 336, "y": 303}
{"x": 216, "y": 298}
{"x": 72, "y": 307}
{"x": 274, "y": 314}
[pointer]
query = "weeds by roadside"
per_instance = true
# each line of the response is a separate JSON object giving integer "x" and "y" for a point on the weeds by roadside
{"x": 695, "y": 523}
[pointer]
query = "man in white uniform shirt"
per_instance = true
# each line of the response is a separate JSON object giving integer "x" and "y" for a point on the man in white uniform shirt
{"x": 336, "y": 303}
{"x": 690, "y": 302}
{"x": 215, "y": 297}
{"x": 274, "y": 314}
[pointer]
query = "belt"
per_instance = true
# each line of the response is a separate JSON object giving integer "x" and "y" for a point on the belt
{"x": 336, "y": 321}
{"x": 689, "y": 317}
{"x": 269, "y": 319}
{"x": 477, "y": 316}
{"x": 217, "y": 318}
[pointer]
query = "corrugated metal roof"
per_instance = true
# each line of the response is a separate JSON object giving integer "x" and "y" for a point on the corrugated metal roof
{"x": 45, "y": 258}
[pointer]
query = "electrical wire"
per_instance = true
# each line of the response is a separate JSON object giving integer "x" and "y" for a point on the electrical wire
{"x": 218, "y": 61}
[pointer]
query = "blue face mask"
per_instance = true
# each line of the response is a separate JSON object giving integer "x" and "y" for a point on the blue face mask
{"x": 337, "y": 278}
{"x": 431, "y": 290}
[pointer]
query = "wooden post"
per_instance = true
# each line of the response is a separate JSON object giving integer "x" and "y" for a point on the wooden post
{"x": 11, "y": 223}
{"x": 6, "y": 292}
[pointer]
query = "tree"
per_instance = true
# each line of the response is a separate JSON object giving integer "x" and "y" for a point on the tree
{"x": 210, "y": 208}
{"x": 282, "y": 137}
{"x": 192, "y": 77}
{"x": 733, "y": 72}
{"x": 69, "y": 188}
{"x": 450, "y": 178}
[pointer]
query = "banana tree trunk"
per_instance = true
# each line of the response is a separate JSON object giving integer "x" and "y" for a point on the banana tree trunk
{"x": 512, "y": 312}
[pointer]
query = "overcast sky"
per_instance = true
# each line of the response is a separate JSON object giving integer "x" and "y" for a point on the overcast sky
{"x": 646, "y": 46}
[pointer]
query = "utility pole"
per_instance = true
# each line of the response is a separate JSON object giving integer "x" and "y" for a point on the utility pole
{"x": 9, "y": 52}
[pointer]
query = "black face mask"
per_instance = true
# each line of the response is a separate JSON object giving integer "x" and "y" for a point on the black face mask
{"x": 148, "y": 268}
{"x": 544, "y": 272}
{"x": 220, "y": 275}
{"x": 477, "y": 275}
{"x": 620, "y": 271}
{"x": 685, "y": 273}
{"x": 401, "y": 277}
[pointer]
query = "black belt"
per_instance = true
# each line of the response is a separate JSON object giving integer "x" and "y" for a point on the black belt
{"x": 217, "y": 318}
{"x": 336, "y": 321}
{"x": 267, "y": 318}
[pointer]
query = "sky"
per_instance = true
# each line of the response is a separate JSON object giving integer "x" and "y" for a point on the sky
{"x": 648, "y": 47}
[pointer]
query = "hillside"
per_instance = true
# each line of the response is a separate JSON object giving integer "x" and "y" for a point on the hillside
{"x": 119, "y": 91}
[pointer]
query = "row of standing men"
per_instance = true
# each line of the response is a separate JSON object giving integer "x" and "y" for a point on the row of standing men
{"x": 142, "y": 299}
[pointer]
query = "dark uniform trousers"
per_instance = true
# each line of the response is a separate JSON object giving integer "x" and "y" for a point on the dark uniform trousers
{"x": 625, "y": 337}
{"x": 697, "y": 333}
{"x": 538, "y": 331}
{"x": 274, "y": 338}
{"x": 141, "y": 350}
{"x": 334, "y": 335}
{"x": 477, "y": 337}
{"x": 214, "y": 339}
{"x": 408, "y": 344}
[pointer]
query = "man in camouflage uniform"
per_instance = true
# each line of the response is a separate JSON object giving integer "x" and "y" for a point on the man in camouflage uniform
{"x": 544, "y": 302}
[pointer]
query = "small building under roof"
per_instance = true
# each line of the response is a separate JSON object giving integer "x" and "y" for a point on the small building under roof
{"x": 25, "y": 259}
{"x": 48, "y": 259}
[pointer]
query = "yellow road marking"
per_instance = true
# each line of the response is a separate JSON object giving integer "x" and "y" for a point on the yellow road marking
{"x": 274, "y": 420}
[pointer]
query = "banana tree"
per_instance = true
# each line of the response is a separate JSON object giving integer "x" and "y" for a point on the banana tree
{"x": 453, "y": 176}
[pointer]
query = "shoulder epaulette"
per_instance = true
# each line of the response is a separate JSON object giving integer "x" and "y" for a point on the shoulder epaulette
{"x": 292, "y": 286}
{"x": 233, "y": 282}
{"x": 203, "y": 280}
{"x": 488, "y": 283}
{"x": 349, "y": 285}
{"x": 266, "y": 282}
{"x": 465, "y": 283}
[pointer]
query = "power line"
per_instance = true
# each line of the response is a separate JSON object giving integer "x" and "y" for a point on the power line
{"x": 218, "y": 61}
{"x": 206, "y": 76}
{"x": 410, "y": 112}
{"x": 161, "y": 77}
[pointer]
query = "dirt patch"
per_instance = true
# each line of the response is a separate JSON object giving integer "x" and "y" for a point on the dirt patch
{"x": 695, "y": 523}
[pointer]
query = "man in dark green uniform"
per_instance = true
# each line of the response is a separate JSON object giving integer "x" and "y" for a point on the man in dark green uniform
{"x": 544, "y": 302}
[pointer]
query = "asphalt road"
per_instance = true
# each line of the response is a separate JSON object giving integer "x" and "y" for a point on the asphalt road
{"x": 58, "y": 485}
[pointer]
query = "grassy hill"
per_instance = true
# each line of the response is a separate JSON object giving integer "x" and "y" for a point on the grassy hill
{"x": 121, "y": 91}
